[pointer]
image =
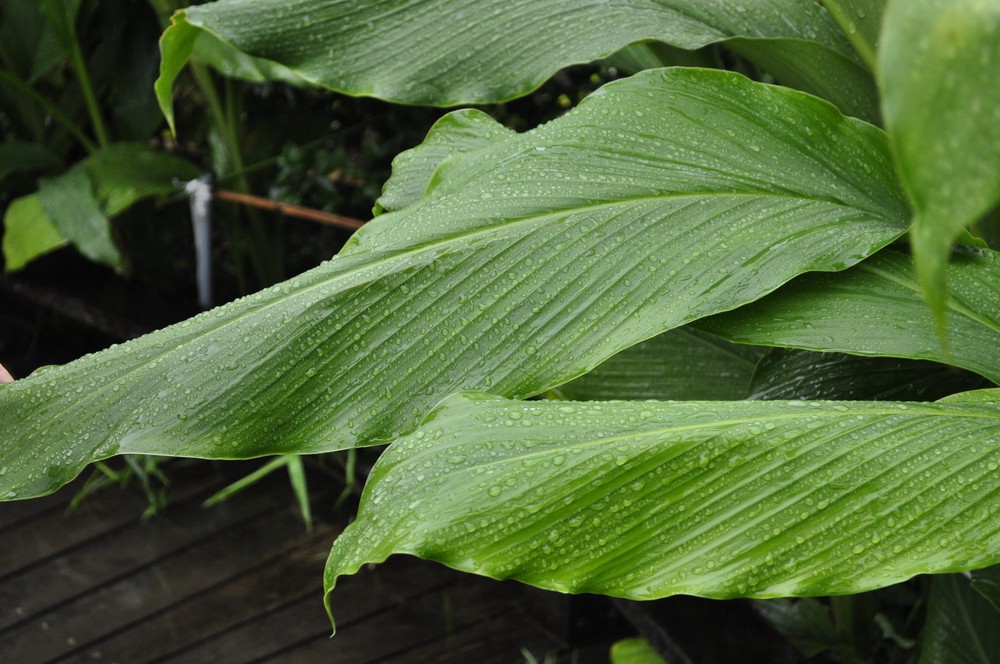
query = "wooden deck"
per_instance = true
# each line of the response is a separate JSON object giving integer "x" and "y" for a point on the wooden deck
{"x": 241, "y": 582}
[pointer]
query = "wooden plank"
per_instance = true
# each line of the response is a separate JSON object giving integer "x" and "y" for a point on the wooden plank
{"x": 496, "y": 640}
{"x": 416, "y": 623}
{"x": 71, "y": 627}
{"x": 83, "y": 569}
{"x": 31, "y": 541}
{"x": 281, "y": 582}
{"x": 370, "y": 592}
{"x": 19, "y": 511}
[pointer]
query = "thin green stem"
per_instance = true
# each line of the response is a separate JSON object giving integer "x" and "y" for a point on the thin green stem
{"x": 89, "y": 96}
{"x": 225, "y": 118}
{"x": 53, "y": 111}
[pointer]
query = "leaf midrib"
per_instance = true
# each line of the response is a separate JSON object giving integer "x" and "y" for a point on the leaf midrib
{"x": 951, "y": 303}
{"x": 634, "y": 436}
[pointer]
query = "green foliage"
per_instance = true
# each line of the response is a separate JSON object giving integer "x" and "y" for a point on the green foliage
{"x": 941, "y": 101}
{"x": 634, "y": 651}
{"x": 669, "y": 205}
{"x": 54, "y": 68}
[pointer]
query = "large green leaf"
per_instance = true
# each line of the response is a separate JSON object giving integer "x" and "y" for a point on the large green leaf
{"x": 684, "y": 363}
{"x": 941, "y": 102}
{"x": 448, "y": 52}
{"x": 645, "y": 500}
{"x": 961, "y": 625}
{"x": 802, "y": 374}
{"x": 876, "y": 308}
{"x": 525, "y": 265}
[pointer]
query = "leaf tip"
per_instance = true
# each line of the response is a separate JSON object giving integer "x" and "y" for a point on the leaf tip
{"x": 176, "y": 46}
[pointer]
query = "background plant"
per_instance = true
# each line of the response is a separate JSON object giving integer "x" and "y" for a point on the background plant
{"x": 512, "y": 263}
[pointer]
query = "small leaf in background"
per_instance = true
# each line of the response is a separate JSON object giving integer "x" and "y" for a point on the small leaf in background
{"x": 803, "y": 374}
{"x": 876, "y": 308}
{"x": 806, "y": 622}
{"x": 642, "y": 500}
{"x": 939, "y": 68}
{"x": 684, "y": 364}
{"x": 28, "y": 233}
{"x": 125, "y": 173}
{"x": 504, "y": 48}
{"x": 961, "y": 626}
{"x": 987, "y": 582}
{"x": 69, "y": 201}
{"x": 635, "y": 651}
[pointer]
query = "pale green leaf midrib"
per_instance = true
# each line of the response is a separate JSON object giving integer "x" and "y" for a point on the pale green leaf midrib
{"x": 808, "y": 413}
{"x": 951, "y": 303}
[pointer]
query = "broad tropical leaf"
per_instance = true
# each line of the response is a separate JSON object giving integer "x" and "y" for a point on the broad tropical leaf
{"x": 456, "y": 133}
{"x": 684, "y": 363}
{"x": 941, "y": 102}
{"x": 645, "y": 500}
{"x": 472, "y": 51}
{"x": 876, "y": 308}
{"x": 526, "y": 265}
{"x": 961, "y": 625}
{"x": 802, "y": 374}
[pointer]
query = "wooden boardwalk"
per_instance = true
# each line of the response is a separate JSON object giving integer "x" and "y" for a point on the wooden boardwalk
{"x": 241, "y": 582}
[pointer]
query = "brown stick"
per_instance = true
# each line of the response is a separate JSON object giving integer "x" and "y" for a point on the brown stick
{"x": 290, "y": 210}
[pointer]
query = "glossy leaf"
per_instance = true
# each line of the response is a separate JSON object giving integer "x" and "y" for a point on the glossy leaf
{"x": 961, "y": 625}
{"x": 476, "y": 51}
{"x": 526, "y": 265}
{"x": 876, "y": 308}
{"x": 684, "y": 363}
{"x": 28, "y": 233}
{"x": 802, "y": 374}
{"x": 456, "y": 133}
{"x": 645, "y": 500}
{"x": 941, "y": 102}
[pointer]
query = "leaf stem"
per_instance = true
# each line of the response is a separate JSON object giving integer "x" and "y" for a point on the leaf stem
{"x": 53, "y": 111}
{"x": 83, "y": 76}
